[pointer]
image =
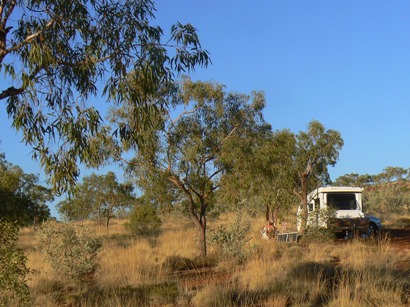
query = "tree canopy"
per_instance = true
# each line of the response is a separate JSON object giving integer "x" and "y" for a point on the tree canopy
{"x": 22, "y": 198}
{"x": 98, "y": 197}
{"x": 316, "y": 149}
{"x": 59, "y": 57}
{"x": 193, "y": 149}
{"x": 261, "y": 175}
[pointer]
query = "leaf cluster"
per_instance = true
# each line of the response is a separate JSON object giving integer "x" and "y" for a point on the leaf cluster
{"x": 61, "y": 55}
{"x": 232, "y": 239}
{"x": 144, "y": 221}
{"x": 13, "y": 270}
{"x": 71, "y": 250}
{"x": 22, "y": 198}
{"x": 97, "y": 197}
{"x": 193, "y": 151}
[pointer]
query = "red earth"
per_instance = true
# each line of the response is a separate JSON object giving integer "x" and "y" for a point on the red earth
{"x": 399, "y": 237}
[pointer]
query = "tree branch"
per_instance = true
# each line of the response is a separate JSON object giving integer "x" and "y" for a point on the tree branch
{"x": 11, "y": 91}
{"x": 27, "y": 39}
{"x": 231, "y": 133}
{"x": 6, "y": 4}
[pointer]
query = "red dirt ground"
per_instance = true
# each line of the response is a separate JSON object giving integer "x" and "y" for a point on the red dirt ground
{"x": 399, "y": 237}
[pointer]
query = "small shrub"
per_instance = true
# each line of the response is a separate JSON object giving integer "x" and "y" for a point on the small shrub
{"x": 13, "y": 270}
{"x": 144, "y": 221}
{"x": 71, "y": 250}
{"x": 318, "y": 235}
{"x": 232, "y": 240}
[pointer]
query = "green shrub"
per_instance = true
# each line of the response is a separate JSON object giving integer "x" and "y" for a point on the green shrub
{"x": 232, "y": 240}
{"x": 71, "y": 250}
{"x": 318, "y": 235}
{"x": 13, "y": 270}
{"x": 144, "y": 221}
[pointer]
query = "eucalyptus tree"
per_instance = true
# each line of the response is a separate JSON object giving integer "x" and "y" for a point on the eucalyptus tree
{"x": 192, "y": 149}
{"x": 315, "y": 150}
{"x": 277, "y": 167}
{"x": 98, "y": 197}
{"x": 60, "y": 57}
{"x": 391, "y": 173}
{"x": 22, "y": 198}
{"x": 354, "y": 180}
{"x": 262, "y": 174}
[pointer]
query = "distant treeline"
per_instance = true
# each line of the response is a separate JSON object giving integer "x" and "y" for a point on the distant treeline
{"x": 387, "y": 192}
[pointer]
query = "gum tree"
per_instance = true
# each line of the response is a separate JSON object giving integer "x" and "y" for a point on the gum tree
{"x": 315, "y": 150}
{"x": 98, "y": 197}
{"x": 60, "y": 57}
{"x": 22, "y": 198}
{"x": 192, "y": 149}
{"x": 262, "y": 176}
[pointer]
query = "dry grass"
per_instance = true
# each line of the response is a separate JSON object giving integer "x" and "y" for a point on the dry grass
{"x": 131, "y": 272}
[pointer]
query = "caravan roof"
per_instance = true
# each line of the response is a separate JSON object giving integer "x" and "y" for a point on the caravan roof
{"x": 334, "y": 189}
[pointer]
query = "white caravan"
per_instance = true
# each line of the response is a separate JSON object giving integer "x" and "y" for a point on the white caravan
{"x": 348, "y": 206}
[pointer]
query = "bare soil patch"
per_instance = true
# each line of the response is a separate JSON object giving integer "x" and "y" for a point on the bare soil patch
{"x": 399, "y": 237}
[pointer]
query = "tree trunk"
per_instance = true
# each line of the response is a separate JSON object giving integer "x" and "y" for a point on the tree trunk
{"x": 202, "y": 239}
{"x": 303, "y": 180}
{"x": 200, "y": 224}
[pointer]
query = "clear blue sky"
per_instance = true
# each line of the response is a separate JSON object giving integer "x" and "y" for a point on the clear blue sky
{"x": 343, "y": 63}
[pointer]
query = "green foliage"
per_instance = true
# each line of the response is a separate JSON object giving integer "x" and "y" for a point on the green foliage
{"x": 13, "y": 271}
{"x": 98, "y": 197}
{"x": 353, "y": 180}
{"x": 61, "y": 52}
{"x": 386, "y": 192}
{"x": 144, "y": 221}
{"x": 315, "y": 150}
{"x": 190, "y": 152}
{"x": 22, "y": 199}
{"x": 71, "y": 250}
{"x": 318, "y": 235}
{"x": 388, "y": 197}
{"x": 261, "y": 172}
{"x": 232, "y": 239}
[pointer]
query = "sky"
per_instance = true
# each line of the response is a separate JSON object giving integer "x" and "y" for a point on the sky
{"x": 343, "y": 63}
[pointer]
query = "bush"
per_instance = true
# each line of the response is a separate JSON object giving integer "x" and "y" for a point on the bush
{"x": 13, "y": 270}
{"x": 316, "y": 234}
{"x": 71, "y": 250}
{"x": 144, "y": 221}
{"x": 232, "y": 240}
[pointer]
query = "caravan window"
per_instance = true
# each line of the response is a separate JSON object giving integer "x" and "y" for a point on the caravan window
{"x": 342, "y": 201}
